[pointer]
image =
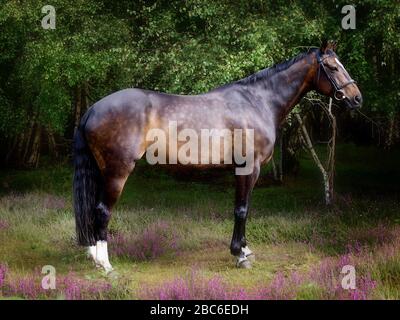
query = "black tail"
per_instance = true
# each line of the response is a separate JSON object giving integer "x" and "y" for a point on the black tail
{"x": 86, "y": 189}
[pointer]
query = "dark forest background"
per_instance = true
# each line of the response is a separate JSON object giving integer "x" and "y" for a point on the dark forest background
{"x": 48, "y": 78}
{"x": 169, "y": 238}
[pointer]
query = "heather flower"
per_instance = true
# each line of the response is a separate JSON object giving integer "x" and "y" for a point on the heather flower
{"x": 365, "y": 285}
{"x": 195, "y": 287}
{"x": 326, "y": 277}
{"x": 26, "y": 287}
{"x": 156, "y": 240}
{"x": 3, "y": 225}
{"x": 75, "y": 288}
{"x": 281, "y": 287}
{"x": 192, "y": 287}
{"x": 3, "y": 273}
{"x": 72, "y": 289}
{"x": 379, "y": 234}
{"x": 69, "y": 287}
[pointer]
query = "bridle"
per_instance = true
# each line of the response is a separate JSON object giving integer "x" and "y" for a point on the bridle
{"x": 338, "y": 94}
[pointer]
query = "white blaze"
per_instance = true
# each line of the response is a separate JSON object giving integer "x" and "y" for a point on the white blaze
{"x": 339, "y": 63}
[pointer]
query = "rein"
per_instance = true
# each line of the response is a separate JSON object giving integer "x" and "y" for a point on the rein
{"x": 339, "y": 94}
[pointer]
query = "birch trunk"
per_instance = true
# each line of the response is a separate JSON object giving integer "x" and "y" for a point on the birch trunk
{"x": 332, "y": 151}
{"x": 274, "y": 169}
{"x": 33, "y": 159}
{"x": 305, "y": 137}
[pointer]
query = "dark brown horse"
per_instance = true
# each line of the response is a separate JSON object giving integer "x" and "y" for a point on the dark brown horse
{"x": 112, "y": 135}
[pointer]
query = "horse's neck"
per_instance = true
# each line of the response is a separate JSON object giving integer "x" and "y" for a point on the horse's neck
{"x": 284, "y": 89}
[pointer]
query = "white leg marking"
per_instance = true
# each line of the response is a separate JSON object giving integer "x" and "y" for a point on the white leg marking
{"x": 249, "y": 254}
{"x": 246, "y": 251}
{"x": 242, "y": 261}
{"x": 91, "y": 252}
{"x": 241, "y": 258}
{"x": 102, "y": 256}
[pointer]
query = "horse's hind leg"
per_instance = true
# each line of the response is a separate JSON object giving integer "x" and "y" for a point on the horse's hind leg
{"x": 114, "y": 181}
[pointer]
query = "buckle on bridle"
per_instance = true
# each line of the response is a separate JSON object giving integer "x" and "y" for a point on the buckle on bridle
{"x": 339, "y": 95}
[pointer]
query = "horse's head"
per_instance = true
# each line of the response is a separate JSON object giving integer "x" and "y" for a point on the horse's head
{"x": 333, "y": 80}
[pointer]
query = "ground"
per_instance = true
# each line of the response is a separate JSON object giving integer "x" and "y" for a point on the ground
{"x": 170, "y": 237}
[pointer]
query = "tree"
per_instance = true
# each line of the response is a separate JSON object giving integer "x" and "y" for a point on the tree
{"x": 48, "y": 78}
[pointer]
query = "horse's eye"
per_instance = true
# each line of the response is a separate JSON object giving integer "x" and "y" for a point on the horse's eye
{"x": 333, "y": 68}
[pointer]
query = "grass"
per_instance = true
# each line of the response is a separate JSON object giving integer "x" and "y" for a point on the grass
{"x": 170, "y": 238}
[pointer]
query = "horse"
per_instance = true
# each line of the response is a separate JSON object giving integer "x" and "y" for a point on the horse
{"x": 111, "y": 136}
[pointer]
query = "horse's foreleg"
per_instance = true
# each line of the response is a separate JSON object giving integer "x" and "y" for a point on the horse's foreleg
{"x": 114, "y": 181}
{"x": 244, "y": 186}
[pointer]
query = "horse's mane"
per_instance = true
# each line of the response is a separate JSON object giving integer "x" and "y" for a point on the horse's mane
{"x": 276, "y": 68}
{"x": 270, "y": 71}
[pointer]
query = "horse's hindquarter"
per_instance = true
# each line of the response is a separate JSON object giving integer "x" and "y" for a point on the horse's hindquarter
{"x": 115, "y": 127}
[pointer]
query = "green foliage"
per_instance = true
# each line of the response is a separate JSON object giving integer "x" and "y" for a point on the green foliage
{"x": 87, "y": 46}
{"x": 177, "y": 46}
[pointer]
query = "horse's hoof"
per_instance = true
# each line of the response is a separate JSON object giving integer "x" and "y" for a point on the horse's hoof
{"x": 244, "y": 264}
{"x": 108, "y": 271}
{"x": 112, "y": 274}
{"x": 106, "y": 267}
{"x": 251, "y": 257}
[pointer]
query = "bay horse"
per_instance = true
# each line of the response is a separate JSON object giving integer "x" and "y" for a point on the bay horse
{"x": 110, "y": 138}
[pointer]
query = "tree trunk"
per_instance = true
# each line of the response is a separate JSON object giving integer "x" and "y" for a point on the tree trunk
{"x": 34, "y": 155}
{"x": 332, "y": 150}
{"x": 12, "y": 149}
{"x": 78, "y": 106}
{"x": 390, "y": 132}
{"x": 274, "y": 169}
{"x": 307, "y": 142}
{"x": 27, "y": 142}
{"x": 396, "y": 127}
{"x": 85, "y": 96}
{"x": 52, "y": 144}
{"x": 82, "y": 101}
{"x": 281, "y": 156}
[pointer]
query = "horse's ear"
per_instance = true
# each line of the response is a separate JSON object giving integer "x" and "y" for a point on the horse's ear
{"x": 334, "y": 46}
{"x": 328, "y": 45}
{"x": 324, "y": 46}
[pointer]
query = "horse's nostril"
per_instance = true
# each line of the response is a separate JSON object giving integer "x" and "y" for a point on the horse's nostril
{"x": 357, "y": 99}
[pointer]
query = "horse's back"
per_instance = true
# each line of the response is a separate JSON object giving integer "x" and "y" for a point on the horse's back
{"x": 131, "y": 101}
{"x": 121, "y": 101}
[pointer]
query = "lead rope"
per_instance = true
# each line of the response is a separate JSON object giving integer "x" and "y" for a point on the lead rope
{"x": 373, "y": 122}
{"x": 368, "y": 118}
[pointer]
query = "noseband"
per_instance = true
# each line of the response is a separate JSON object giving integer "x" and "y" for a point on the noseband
{"x": 338, "y": 94}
